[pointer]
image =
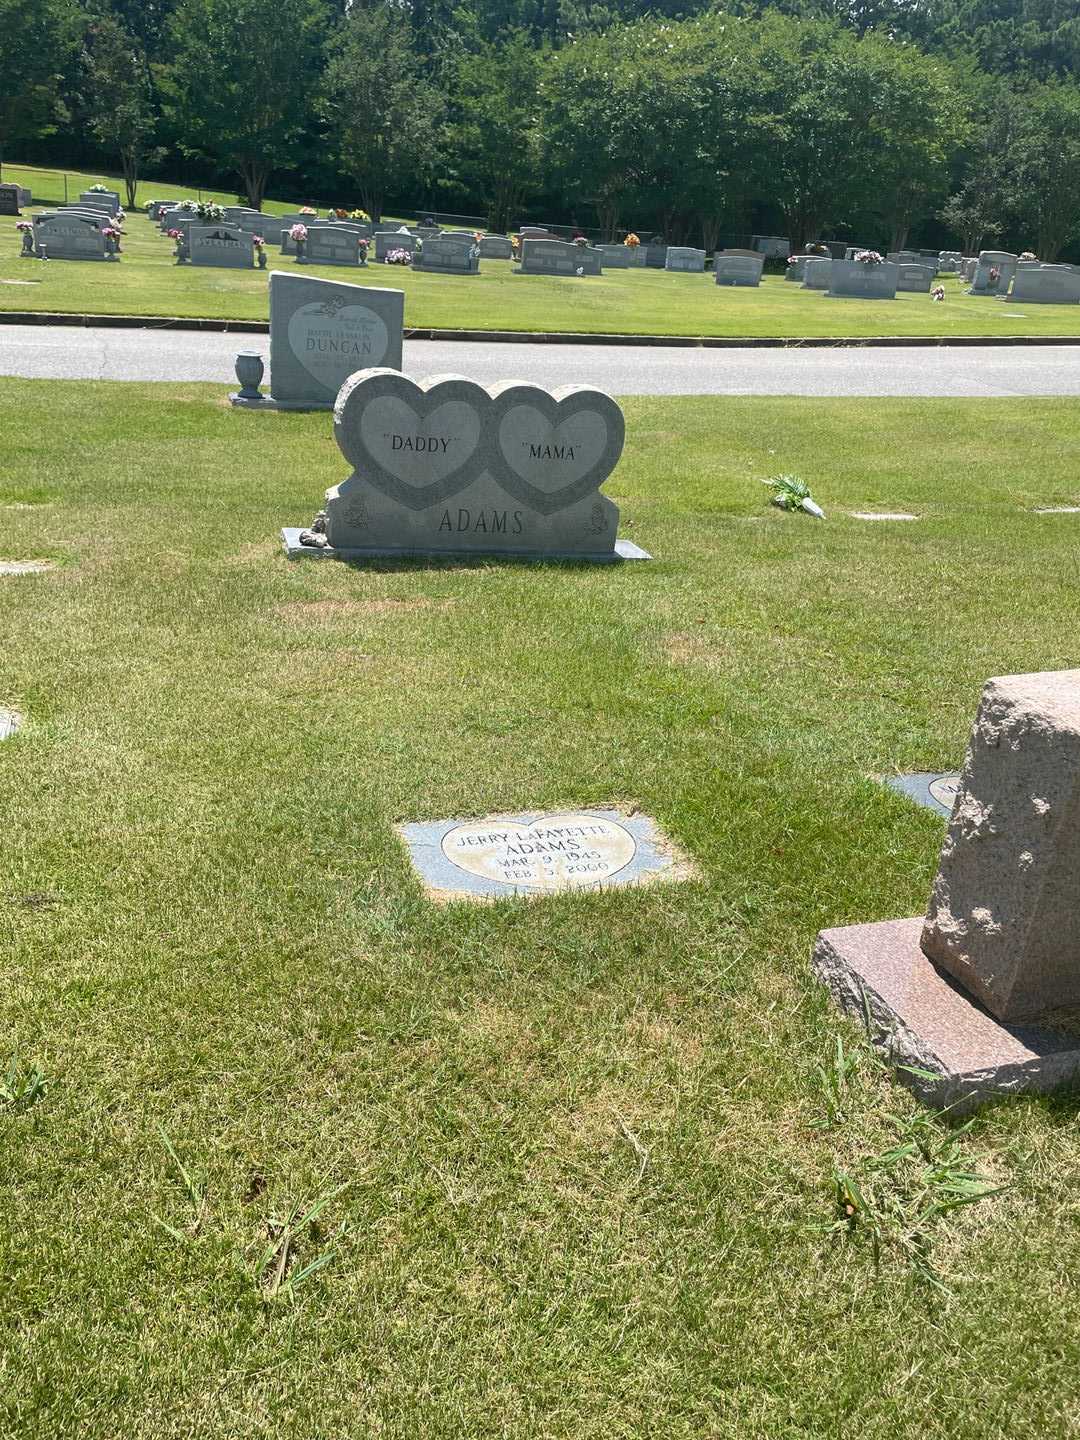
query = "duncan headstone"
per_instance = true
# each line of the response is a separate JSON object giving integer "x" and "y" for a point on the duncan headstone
{"x": 449, "y": 467}
{"x": 321, "y": 331}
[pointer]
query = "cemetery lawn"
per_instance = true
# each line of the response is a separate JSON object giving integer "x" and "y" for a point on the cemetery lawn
{"x": 147, "y": 281}
{"x": 590, "y": 1142}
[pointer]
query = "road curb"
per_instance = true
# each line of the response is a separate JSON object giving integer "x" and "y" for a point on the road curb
{"x": 540, "y": 337}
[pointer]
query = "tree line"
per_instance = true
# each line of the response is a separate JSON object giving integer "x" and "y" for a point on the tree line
{"x": 890, "y": 122}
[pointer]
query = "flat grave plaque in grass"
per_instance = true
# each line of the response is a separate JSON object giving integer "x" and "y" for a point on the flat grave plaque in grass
{"x": 934, "y": 789}
{"x": 10, "y": 721}
{"x": 539, "y": 854}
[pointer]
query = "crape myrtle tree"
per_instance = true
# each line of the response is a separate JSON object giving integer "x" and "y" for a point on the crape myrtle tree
{"x": 1043, "y": 167}
{"x": 118, "y": 100}
{"x": 495, "y": 125}
{"x": 382, "y": 115}
{"x": 609, "y": 102}
{"x": 823, "y": 125}
{"x": 921, "y": 120}
{"x": 37, "y": 40}
{"x": 239, "y": 87}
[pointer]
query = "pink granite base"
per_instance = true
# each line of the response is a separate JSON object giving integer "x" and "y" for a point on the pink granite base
{"x": 920, "y": 1017}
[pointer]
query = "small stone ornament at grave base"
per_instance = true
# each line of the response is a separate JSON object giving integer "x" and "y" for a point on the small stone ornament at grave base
{"x": 981, "y": 997}
{"x": 533, "y": 855}
{"x": 447, "y": 467}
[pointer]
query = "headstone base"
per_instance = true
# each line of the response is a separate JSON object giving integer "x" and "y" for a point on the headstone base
{"x": 917, "y": 1016}
{"x": 290, "y": 538}
{"x": 265, "y": 402}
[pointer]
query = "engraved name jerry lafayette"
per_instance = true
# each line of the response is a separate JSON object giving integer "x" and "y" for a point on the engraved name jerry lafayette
{"x": 559, "y": 852}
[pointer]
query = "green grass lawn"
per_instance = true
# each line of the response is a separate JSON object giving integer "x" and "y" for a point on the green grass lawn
{"x": 591, "y": 1159}
{"x": 147, "y": 281}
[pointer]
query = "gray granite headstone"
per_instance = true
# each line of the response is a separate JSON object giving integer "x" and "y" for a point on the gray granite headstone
{"x": 853, "y": 280}
{"x": 559, "y": 257}
{"x": 222, "y": 246}
{"x": 71, "y": 237}
{"x": 10, "y": 200}
{"x": 816, "y": 272}
{"x": 496, "y": 247}
{"x": 322, "y": 331}
{"x": 684, "y": 257}
{"x": 738, "y": 269}
{"x": 447, "y": 467}
{"x": 384, "y": 243}
{"x": 1002, "y": 261}
{"x": 450, "y": 255}
{"x": 1045, "y": 285}
{"x": 111, "y": 198}
{"x": 334, "y": 245}
{"x": 539, "y": 854}
{"x": 616, "y": 257}
{"x": 915, "y": 279}
{"x": 655, "y": 256}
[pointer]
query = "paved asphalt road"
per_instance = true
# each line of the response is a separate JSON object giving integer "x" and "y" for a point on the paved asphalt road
{"x": 78, "y": 353}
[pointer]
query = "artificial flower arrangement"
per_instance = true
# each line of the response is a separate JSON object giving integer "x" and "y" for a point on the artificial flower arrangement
{"x": 1028, "y": 255}
{"x": 400, "y": 256}
{"x": 209, "y": 213}
{"x": 98, "y": 190}
{"x": 938, "y": 292}
{"x": 869, "y": 257}
{"x": 24, "y": 225}
{"x": 298, "y": 233}
{"x": 580, "y": 240}
{"x": 817, "y": 249}
{"x": 632, "y": 240}
{"x": 361, "y": 215}
{"x": 791, "y": 493}
{"x": 307, "y": 210}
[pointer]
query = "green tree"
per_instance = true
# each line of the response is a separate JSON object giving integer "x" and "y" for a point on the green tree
{"x": 240, "y": 86}
{"x": 383, "y": 118}
{"x": 495, "y": 128}
{"x": 1043, "y": 167}
{"x": 920, "y": 122}
{"x": 37, "y": 40}
{"x": 118, "y": 98}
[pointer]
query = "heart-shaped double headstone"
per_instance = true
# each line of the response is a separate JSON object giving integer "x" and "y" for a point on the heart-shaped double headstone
{"x": 332, "y": 341}
{"x": 551, "y": 450}
{"x": 419, "y": 444}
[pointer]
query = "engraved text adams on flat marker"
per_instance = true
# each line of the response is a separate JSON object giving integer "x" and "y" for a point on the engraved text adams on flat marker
{"x": 557, "y": 852}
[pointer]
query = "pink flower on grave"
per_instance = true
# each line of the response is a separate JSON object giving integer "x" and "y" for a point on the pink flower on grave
{"x": 24, "y": 225}
{"x": 938, "y": 292}
{"x": 298, "y": 232}
{"x": 110, "y": 232}
{"x": 257, "y": 241}
{"x": 869, "y": 257}
{"x": 173, "y": 234}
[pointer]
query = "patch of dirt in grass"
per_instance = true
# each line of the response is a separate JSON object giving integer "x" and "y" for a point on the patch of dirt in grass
{"x": 323, "y": 612}
{"x": 687, "y": 647}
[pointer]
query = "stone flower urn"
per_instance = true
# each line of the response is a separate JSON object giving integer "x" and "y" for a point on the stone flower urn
{"x": 27, "y": 242}
{"x": 249, "y": 372}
